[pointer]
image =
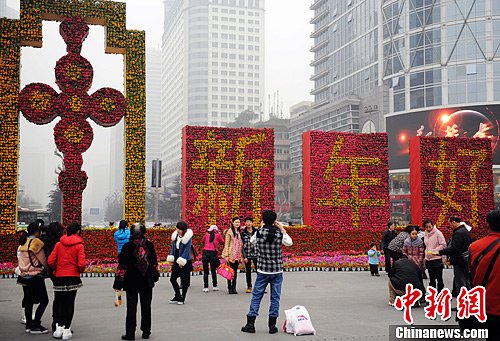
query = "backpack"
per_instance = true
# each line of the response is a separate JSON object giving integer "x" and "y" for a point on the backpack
{"x": 298, "y": 321}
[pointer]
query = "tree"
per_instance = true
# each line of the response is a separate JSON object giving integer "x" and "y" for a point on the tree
{"x": 114, "y": 207}
{"x": 55, "y": 203}
{"x": 244, "y": 119}
{"x": 169, "y": 203}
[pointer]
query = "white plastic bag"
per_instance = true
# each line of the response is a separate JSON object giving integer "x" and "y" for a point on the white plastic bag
{"x": 298, "y": 321}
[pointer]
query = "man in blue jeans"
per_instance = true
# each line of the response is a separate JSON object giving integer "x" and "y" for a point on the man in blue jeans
{"x": 268, "y": 239}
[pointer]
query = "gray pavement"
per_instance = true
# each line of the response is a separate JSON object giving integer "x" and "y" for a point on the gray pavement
{"x": 342, "y": 305}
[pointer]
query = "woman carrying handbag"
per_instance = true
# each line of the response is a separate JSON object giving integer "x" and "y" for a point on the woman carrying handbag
{"x": 232, "y": 252}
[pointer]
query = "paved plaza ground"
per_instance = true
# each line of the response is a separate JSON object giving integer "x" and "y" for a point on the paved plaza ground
{"x": 342, "y": 305}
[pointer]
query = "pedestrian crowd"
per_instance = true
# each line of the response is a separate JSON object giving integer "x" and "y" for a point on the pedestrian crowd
{"x": 413, "y": 251}
{"x": 58, "y": 253}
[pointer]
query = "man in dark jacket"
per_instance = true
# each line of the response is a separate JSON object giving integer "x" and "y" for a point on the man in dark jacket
{"x": 404, "y": 272}
{"x": 458, "y": 250}
{"x": 387, "y": 236}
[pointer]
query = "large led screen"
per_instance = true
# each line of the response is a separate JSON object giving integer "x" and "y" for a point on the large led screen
{"x": 471, "y": 121}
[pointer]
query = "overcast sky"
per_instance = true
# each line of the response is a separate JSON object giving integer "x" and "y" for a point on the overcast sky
{"x": 287, "y": 71}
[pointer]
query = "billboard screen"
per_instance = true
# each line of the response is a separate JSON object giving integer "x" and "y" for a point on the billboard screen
{"x": 467, "y": 121}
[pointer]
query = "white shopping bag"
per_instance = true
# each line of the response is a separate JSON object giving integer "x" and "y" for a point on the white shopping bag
{"x": 298, "y": 321}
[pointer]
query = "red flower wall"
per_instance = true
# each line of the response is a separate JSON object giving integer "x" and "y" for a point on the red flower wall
{"x": 451, "y": 177}
{"x": 226, "y": 172}
{"x": 345, "y": 182}
{"x": 99, "y": 243}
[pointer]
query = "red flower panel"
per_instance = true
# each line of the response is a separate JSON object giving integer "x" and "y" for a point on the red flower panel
{"x": 451, "y": 177}
{"x": 345, "y": 181}
{"x": 226, "y": 172}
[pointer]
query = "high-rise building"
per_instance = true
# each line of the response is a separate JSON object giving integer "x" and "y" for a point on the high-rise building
{"x": 442, "y": 65}
{"x": 283, "y": 190}
{"x": 153, "y": 109}
{"x": 397, "y": 65}
{"x": 348, "y": 92}
{"x": 212, "y": 68}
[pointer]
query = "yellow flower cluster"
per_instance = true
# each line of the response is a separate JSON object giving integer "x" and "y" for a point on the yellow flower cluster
{"x": 73, "y": 134}
{"x": 40, "y": 100}
{"x": 107, "y": 104}
{"x": 28, "y": 32}
{"x": 73, "y": 72}
{"x": 75, "y": 103}
{"x": 9, "y": 90}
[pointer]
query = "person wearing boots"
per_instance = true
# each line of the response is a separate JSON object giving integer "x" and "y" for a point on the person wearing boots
{"x": 180, "y": 256}
{"x": 269, "y": 240}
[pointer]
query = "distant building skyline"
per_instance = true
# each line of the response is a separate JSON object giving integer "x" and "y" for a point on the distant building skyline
{"x": 153, "y": 109}
{"x": 212, "y": 68}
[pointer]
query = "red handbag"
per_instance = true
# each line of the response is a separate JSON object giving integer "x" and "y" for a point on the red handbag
{"x": 226, "y": 271}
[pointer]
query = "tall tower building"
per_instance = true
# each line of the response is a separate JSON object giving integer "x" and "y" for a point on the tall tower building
{"x": 153, "y": 109}
{"x": 349, "y": 95}
{"x": 442, "y": 67}
{"x": 212, "y": 68}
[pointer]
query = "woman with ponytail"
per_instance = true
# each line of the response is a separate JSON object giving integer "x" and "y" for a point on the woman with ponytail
{"x": 211, "y": 241}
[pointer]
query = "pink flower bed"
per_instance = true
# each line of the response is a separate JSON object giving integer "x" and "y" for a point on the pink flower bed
{"x": 324, "y": 260}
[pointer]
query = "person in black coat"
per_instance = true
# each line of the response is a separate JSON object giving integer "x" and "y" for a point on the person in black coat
{"x": 136, "y": 274}
{"x": 404, "y": 272}
{"x": 458, "y": 250}
{"x": 387, "y": 236}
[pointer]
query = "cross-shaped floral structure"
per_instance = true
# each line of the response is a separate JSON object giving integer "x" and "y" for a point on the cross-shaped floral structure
{"x": 41, "y": 104}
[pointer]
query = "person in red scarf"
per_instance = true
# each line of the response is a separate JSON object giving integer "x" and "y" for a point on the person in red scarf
{"x": 136, "y": 274}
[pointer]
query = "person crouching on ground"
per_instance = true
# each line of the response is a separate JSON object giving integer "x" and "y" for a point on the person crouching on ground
{"x": 373, "y": 255}
{"x": 269, "y": 270}
{"x": 136, "y": 274}
{"x": 180, "y": 256}
{"x": 68, "y": 261}
{"x": 404, "y": 272}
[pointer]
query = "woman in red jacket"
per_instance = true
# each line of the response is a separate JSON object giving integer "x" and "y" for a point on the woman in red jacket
{"x": 68, "y": 261}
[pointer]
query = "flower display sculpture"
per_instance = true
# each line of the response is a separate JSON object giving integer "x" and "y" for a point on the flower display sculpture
{"x": 345, "y": 181}
{"x": 73, "y": 135}
{"x": 226, "y": 172}
{"x": 451, "y": 177}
